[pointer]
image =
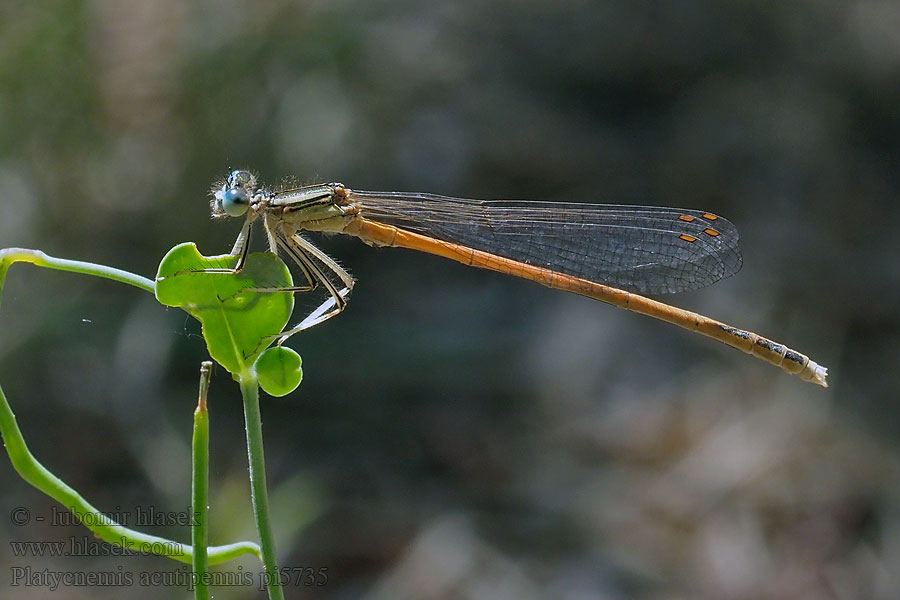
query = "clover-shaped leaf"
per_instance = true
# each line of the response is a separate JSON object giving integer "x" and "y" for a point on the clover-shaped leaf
{"x": 238, "y": 320}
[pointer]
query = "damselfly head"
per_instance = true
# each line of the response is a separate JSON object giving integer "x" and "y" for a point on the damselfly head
{"x": 233, "y": 196}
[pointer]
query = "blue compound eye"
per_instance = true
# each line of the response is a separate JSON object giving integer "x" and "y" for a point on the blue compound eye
{"x": 235, "y": 202}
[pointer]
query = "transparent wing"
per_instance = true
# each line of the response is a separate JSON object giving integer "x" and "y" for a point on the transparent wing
{"x": 648, "y": 250}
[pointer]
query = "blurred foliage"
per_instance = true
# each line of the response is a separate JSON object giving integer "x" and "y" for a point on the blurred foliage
{"x": 468, "y": 436}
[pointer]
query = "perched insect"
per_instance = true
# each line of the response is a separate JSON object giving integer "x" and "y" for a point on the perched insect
{"x": 612, "y": 253}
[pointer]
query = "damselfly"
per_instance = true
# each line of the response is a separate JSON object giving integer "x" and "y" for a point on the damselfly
{"x": 611, "y": 253}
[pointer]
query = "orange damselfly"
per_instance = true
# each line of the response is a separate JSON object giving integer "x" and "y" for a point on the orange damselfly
{"x": 611, "y": 253}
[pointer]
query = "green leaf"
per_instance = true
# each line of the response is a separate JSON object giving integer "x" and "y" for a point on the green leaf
{"x": 279, "y": 371}
{"x": 236, "y": 323}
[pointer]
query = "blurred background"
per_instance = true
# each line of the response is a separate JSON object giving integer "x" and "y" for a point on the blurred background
{"x": 459, "y": 434}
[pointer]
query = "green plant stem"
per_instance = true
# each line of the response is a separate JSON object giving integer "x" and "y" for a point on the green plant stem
{"x": 253, "y": 421}
{"x": 200, "y": 487}
{"x": 38, "y": 258}
{"x": 105, "y": 528}
{"x": 34, "y": 473}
